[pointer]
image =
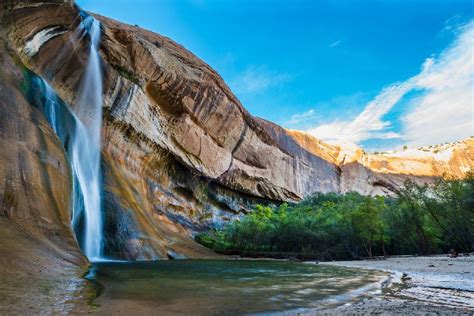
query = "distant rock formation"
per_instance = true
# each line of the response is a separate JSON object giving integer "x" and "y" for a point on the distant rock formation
{"x": 382, "y": 173}
{"x": 180, "y": 152}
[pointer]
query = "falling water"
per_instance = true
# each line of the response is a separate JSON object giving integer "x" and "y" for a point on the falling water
{"x": 80, "y": 132}
{"x": 85, "y": 146}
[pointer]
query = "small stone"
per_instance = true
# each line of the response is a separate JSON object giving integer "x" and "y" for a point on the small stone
{"x": 405, "y": 277}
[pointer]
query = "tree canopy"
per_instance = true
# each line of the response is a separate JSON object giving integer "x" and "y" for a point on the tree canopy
{"x": 419, "y": 220}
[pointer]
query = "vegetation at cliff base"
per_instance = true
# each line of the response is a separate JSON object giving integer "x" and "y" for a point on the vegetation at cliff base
{"x": 419, "y": 220}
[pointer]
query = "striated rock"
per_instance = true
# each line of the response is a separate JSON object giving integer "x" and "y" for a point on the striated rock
{"x": 40, "y": 260}
{"x": 382, "y": 173}
{"x": 385, "y": 172}
{"x": 180, "y": 153}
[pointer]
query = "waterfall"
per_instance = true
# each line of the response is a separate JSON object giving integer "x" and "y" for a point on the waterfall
{"x": 85, "y": 146}
{"x": 79, "y": 129}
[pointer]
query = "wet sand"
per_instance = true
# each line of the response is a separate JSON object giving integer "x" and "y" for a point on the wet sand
{"x": 432, "y": 285}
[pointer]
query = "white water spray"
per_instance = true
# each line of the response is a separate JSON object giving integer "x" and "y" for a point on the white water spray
{"x": 73, "y": 134}
{"x": 85, "y": 147}
{"x": 79, "y": 129}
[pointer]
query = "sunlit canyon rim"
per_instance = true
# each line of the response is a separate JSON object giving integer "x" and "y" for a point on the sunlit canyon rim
{"x": 140, "y": 145}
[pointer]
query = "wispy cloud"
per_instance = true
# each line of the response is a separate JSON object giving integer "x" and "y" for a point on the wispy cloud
{"x": 369, "y": 123}
{"x": 335, "y": 44}
{"x": 257, "y": 79}
{"x": 446, "y": 111}
{"x": 454, "y": 24}
{"x": 443, "y": 113}
{"x": 330, "y": 108}
{"x": 301, "y": 118}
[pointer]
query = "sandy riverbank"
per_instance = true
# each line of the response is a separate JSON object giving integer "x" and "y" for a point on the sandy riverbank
{"x": 433, "y": 285}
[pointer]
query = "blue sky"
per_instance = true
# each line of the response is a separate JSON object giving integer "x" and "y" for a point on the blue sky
{"x": 345, "y": 71}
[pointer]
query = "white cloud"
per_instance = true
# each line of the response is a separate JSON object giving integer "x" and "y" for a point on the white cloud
{"x": 443, "y": 113}
{"x": 256, "y": 79}
{"x": 446, "y": 111}
{"x": 369, "y": 123}
{"x": 310, "y": 118}
{"x": 335, "y": 44}
{"x": 454, "y": 24}
{"x": 297, "y": 119}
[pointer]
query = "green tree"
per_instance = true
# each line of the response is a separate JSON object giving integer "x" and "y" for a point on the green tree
{"x": 421, "y": 219}
{"x": 368, "y": 223}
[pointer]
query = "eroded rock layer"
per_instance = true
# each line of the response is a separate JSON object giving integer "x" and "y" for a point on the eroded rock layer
{"x": 180, "y": 153}
{"x": 382, "y": 173}
{"x": 40, "y": 259}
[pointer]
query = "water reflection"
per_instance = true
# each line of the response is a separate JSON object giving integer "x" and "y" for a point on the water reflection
{"x": 228, "y": 286}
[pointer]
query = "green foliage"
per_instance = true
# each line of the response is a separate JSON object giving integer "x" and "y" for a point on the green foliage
{"x": 368, "y": 224}
{"x": 420, "y": 220}
{"x": 127, "y": 74}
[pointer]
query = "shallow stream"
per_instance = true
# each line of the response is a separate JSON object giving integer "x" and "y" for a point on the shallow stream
{"x": 218, "y": 287}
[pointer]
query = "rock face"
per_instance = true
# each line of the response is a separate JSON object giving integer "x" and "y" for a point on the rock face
{"x": 383, "y": 173}
{"x": 180, "y": 153}
{"x": 39, "y": 256}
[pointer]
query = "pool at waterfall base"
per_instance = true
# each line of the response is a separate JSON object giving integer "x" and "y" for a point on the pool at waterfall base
{"x": 223, "y": 287}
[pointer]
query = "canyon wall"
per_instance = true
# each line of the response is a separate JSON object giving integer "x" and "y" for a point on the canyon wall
{"x": 382, "y": 173}
{"x": 180, "y": 152}
{"x": 39, "y": 256}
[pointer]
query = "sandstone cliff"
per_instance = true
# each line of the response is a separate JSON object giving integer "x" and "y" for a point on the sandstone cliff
{"x": 382, "y": 173}
{"x": 39, "y": 256}
{"x": 180, "y": 153}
